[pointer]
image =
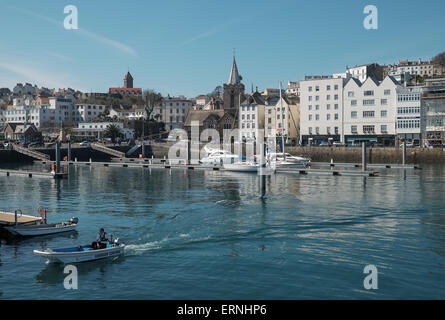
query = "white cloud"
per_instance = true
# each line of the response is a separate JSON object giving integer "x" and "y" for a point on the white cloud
{"x": 39, "y": 77}
{"x": 97, "y": 37}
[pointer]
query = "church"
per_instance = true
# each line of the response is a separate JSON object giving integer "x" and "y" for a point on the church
{"x": 220, "y": 113}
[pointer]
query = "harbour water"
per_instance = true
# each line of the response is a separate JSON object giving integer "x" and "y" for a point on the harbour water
{"x": 218, "y": 235}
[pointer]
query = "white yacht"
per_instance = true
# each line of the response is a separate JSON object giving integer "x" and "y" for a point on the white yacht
{"x": 219, "y": 157}
{"x": 286, "y": 160}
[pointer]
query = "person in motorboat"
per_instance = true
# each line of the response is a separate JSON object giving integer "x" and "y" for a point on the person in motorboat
{"x": 101, "y": 241}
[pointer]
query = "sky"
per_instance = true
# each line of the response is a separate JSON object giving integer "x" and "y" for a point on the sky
{"x": 181, "y": 47}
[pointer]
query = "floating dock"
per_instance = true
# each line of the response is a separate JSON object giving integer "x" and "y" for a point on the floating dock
{"x": 32, "y": 174}
{"x": 7, "y": 218}
{"x": 166, "y": 164}
{"x": 369, "y": 165}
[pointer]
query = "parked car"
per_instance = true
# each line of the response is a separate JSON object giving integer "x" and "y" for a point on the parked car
{"x": 338, "y": 144}
{"x": 323, "y": 144}
{"x": 85, "y": 144}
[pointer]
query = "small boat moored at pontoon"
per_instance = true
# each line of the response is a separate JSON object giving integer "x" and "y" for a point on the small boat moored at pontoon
{"x": 43, "y": 228}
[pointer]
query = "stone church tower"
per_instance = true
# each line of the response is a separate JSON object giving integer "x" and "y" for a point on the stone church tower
{"x": 233, "y": 90}
{"x": 128, "y": 81}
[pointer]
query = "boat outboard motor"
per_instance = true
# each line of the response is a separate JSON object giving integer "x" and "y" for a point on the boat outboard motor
{"x": 74, "y": 220}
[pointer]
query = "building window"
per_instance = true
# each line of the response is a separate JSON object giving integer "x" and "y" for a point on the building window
{"x": 383, "y": 113}
{"x": 368, "y": 129}
{"x": 354, "y": 129}
{"x": 336, "y": 106}
{"x": 351, "y": 94}
{"x": 387, "y": 92}
{"x": 368, "y": 102}
{"x": 328, "y": 117}
{"x": 384, "y": 128}
{"x": 328, "y": 107}
{"x": 368, "y": 114}
{"x": 384, "y": 102}
{"x": 336, "y": 116}
{"x": 354, "y": 114}
{"x": 328, "y": 88}
{"x": 368, "y": 93}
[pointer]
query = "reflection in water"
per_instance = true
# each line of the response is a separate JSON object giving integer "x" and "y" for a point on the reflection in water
{"x": 53, "y": 274}
{"x": 248, "y": 236}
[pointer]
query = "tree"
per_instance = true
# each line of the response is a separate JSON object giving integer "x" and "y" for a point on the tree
{"x": 151, "y": 99}
{"x": 112, "y": 131}
{"x": 440, "y": 59}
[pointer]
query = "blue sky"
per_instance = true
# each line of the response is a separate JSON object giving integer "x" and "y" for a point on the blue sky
{"x": 185, "y": 47}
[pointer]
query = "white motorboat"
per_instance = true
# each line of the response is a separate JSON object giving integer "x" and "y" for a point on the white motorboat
{"x": 81, "y": 253}
{"x": 219, "y": 157}
{"x": 43, "y": 228}
{"x": 242, "y": 167}
{"x": 286, "y": 160}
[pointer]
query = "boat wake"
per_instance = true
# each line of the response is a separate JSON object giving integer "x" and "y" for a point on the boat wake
{"x": 138, "y": 249}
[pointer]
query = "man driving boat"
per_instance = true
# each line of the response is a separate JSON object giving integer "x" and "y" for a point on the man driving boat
{"x": 101, "y": 241}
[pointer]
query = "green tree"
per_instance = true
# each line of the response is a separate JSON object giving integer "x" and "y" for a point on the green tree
{"x": 113, "y": 131}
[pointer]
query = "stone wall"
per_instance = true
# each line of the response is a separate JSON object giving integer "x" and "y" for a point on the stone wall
{"x": 375, "y": 155}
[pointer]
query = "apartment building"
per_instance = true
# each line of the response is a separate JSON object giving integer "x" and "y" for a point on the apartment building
{"x": 370, "y": 111}
{"x": 410, "y": 116}
{"x": 251, "y": 117}
{"x": 172, "y": 111}
{"x": 321, "y": 103}
{"x": 87, "y": 112}
{"x": 433, "y": 106}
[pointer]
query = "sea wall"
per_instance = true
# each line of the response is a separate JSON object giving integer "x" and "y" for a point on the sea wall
{"x": 349, "y": 154}
{"x": 317, "y": 154}
{"x": 374, "y": 155}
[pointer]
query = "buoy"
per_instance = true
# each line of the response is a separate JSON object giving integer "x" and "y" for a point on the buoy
{"x": 45, "y": 215}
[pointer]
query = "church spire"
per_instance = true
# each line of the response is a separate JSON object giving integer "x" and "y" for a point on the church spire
{"x": 234, "y": 77}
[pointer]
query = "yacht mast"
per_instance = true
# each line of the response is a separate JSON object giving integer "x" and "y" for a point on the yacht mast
{"x": 282, "y": 125}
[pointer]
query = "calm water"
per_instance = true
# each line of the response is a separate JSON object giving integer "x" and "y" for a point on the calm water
{"x": 213, "y": 235}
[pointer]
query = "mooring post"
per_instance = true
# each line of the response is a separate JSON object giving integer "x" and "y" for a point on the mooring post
{"x": 404, "y": 153}
{"x": 57, "y": 156}
{"x": 364, "y": 163}
{"x": 143, "y": 148}
{"x": 69, "y": 150}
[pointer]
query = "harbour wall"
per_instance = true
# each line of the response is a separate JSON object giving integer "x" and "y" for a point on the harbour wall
{"x": 350, "y": 154}
{"x": 81, "y": 153}
{"x": 317, "y": 154}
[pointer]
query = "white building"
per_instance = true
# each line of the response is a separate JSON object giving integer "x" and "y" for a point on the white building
{"x": 321, "y": 102}
{"x": 413, "y": 68}
{"x": 293, "y": 89}
{"x": 369, "y": 110}
{"x": 97, "y": 129}
{"x": 251, "y": 117}
{"x": 87, "y": 112}
{"x": 172, "y": 112}
{"x": 410, "y": 115}
{"x": 28, "y": 114}
{"x": 363, "y": 72}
